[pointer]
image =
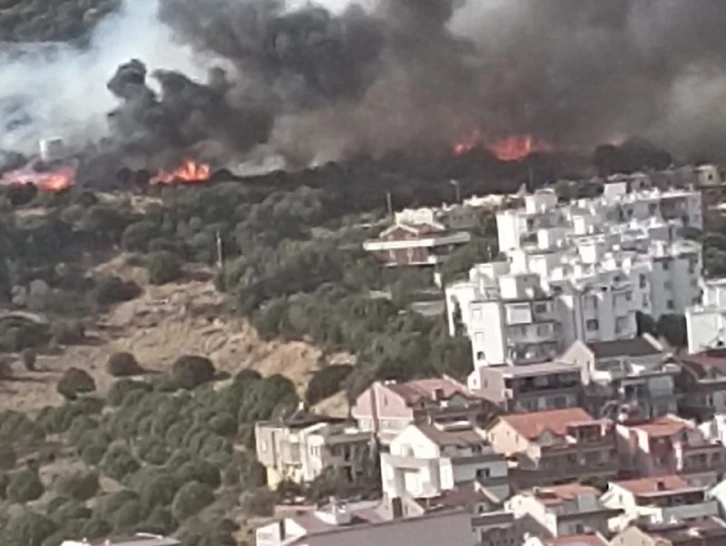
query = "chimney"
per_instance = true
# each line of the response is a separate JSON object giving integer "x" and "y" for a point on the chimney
{"x": 438, "y": 394}
{"x": 281, "y": 524}
{"x": 660, "y": 485}
{"x": 397, "y": 507}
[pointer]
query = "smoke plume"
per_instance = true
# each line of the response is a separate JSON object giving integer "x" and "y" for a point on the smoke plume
{"x": 235, "y": 80}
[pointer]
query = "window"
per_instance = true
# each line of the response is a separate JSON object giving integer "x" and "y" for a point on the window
{"x": 592, "y": 325}
{"x": 540, "y": 308}
{"x": 645, "y": 300}
{"x": 652, "y": 208}
{"x": 643, "y": 281}
{"x": 543, "y": 329}
{"x": 482, "y": 473}
{"x": 629, "y": 296}
{"x": 480, "y": 355}
{"x": 621, "y": 324}
{"x": 409, "y": 255}
{"x": 694, "y": 283}
{"x": 670, "y": 305}
{"x": 560, "y": 402}
{"x": 666, "y": 265}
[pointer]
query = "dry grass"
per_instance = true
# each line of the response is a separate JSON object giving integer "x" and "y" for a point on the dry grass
{"x": 158, "y": 327}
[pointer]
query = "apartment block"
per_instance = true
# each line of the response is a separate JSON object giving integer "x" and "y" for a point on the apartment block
{"x": 551, "y": 385}
{"x": 663, "y": 498}
{"x": 703, "y": 384}
{"x": 706, "y": 320}
{"x": 426, "y": 460}
{"x": 561, "y": 510}
{"x": 670, "y": 445}
{"x": 300, "y": 448}
{"x": 386, "y": 408}
{"x": 580, "y": 271}
{"x": 555, "y": 447}
{"x": 425, "y": 244}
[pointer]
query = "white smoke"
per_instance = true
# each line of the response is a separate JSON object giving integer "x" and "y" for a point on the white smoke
{"x": 62, "y": 88}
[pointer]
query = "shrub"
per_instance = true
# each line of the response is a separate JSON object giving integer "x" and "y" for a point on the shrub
{"x": 24, "y": 486}
{"x": 74, "y": 382}
{"x": 152, "y": 451}
{"x": 80, "y": 486}
{"x": 160, "y": 521}
{"x": 128, "y": 516}
{"x": 190, "y": 371}
{"x": 191, "y": 498}
{"x": 163, "y": 267}
{"x": 118, "y": 463}
{"x": 93, "y": 454}
{"x": 29, "y": 358}
{"x": 80, "y": 426}
{"x": 7, "y": 457}
{"x": 111, "y": 289}
{"x": 259, "y": 502}
{"x": 123, "y": 365}
{"x": 28, "y": 529}
{"x": 68, "y": 332}
{"x": 159, "y": 492}
{"x": 326, "y": 382}
{"x": 118, "y": 391}
{"x": 136, "y": 237}
{"x": 108, "y": 505}
{"x": 223, "y": 424}
{"x": 18, "y": 428}
{"x": 200, "y": 471}
{"x": 95, "y": 528}
{"x": 69, "y": 510}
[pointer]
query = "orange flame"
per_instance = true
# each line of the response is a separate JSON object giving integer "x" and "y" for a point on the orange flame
{"x": 511, "y": 148}
{"x": 54, "y": 182}
{"x": 516, "y": 147}
{"x": 189, "y": 172}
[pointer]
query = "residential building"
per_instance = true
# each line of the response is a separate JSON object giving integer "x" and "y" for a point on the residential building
{"x": 386, "y": 408}
{"x": 416, "y": 245}
{"x": 136, "y": 539}
{"x": 456, "y": 217}
{"x": 702, "y": 382}
{"x": 300, "y": 448}
{"x": 561, "y": 510}
{"x": 337, "y": 525}
{"x": 705, "y": 532}
{"x": 551, "y": 385}
{"x": 425, "y": 460}
{"x": 553, "y": 447}
{"x": 580, "y": 271}
{"x": 588, "y": 539}
{"x": 706, "y": 321}
{"x": 628, "y": 376}
{"x": 663, "y": 498}
{"x": 670, "y": 445}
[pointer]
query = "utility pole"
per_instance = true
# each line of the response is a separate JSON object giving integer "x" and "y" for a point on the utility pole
{"x": 457, "y": 186}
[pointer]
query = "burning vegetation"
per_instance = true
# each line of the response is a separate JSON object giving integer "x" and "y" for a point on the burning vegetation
{"x": 188, "y": 172}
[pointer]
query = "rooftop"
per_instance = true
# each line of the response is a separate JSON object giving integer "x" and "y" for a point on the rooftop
{"x": 659, "y": 484}
{"x": 137, "y": 539}
{"x": 685, "y": 532}
{"x": 664, "y": 426}
{"x": 593, "y": 539}
{"x": 545, "y": 368}
{"x": 532, "y": 425}
{"x": 559, "y": 494}
{"x": 636, "y": 347}
{"x": 706, "y": 361}
{"x": 430, "y": 390}
{"x": 458, "y": 437}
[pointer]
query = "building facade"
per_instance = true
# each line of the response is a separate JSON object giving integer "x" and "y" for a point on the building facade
{"x": 580, "y": 271}
{"x": 555, "y": 447}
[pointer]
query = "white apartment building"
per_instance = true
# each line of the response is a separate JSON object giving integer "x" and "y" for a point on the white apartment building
{"x": 427, "y": 460}
{"x": 580, "y": 271}
{"x": 706, "y": 321}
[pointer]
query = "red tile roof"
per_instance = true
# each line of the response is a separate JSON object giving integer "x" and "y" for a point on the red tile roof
{"x": 643, "y": 486}
{"x": 706, "y": 360}
{"x": 577, "y": 540}
{"x": 425, "y": 389}
{"x": 532, "y": 425}
{"x": 558, "y": 494}
{"x": 454, "y": 437}
{"x": 665, "y": 426}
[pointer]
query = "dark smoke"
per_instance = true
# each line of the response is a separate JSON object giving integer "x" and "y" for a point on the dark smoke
{"x": 312, "y": 84}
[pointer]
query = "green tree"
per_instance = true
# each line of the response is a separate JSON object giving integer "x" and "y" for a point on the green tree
{"x": 28, "y": 529}
{"x": 259, "y": 502}
{"x": 75, "y": 381}
{"x": 159, "y": 492}
{"x": 24, "y": 486}
{"x": 8, "y": 457}
{"x": 190, "y": 371}
{"x": 164, "y": 267}
{"x": 136, "y": 236}
{"x": 80, "y": 485}
{"x": 191, "y": 499}
{"x": 123, "y": 365}
{"x": 122, "y": 387}
{"x": 118, "y": 462}
{"x": 326, "y": 382}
